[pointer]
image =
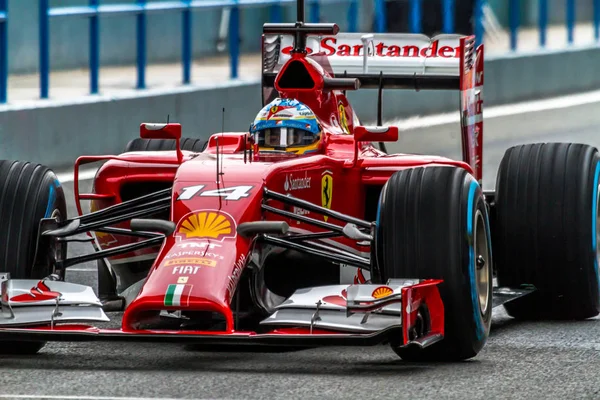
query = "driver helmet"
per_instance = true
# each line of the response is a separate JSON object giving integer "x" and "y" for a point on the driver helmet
{"x": 286, "y": 125}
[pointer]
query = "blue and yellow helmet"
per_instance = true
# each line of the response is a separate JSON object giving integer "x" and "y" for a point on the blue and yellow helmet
{"x": 286, "y": 125}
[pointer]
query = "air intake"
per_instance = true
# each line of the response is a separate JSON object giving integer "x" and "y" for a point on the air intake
{"x": 295, "y": 76}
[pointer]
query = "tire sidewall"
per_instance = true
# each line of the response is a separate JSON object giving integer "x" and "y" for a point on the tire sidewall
{"x": 430, "y": 214}
{"x": 467, "y": 299}
{"x": 595, "y": 227}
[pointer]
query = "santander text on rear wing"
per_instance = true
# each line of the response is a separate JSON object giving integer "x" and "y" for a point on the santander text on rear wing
{"x": 396, "y": 61}
{"x": 387, "y": 53}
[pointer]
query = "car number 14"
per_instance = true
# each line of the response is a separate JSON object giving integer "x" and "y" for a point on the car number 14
{"x": 230, "y": 193}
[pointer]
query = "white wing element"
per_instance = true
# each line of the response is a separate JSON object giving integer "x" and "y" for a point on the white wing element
{"x": 38, "y": 302}
{"x": 401, "y": 54}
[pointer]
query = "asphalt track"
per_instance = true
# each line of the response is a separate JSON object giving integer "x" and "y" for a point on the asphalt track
{"x": 521, "y": 360}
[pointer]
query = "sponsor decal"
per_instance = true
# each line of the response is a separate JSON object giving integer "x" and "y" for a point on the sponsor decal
{"x": 339, "y": 300}
{"x": 359, "y": 277}
{"x": 105, "y": 239}
{"x": 300, "y": 211}
{"x": 305, "y": 113}
{"x": 295, "y": 183}
{"x": 381, "y": 292}
{"x": 195, "y": 253}
{"x": 186, "y": 269}
{"x": 277, "y": 109}
{"x": 207, "y": 224}
{"x": 330, "y": 46}
{"x": 178, "y": 295}
{"x": 39, "y": 292}
{"x": 235, "y": 276}
{"x": 191, "y": 261}
{"x": 197, "y": 245}
{"x": 326, "y": 190}
{"x": 182, "y": 279}
{"x": 343, "y": 118}
{"x": 334, "y": 121}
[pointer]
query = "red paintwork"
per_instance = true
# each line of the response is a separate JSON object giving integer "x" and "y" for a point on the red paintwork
{"x": 352, "y": 166}
{"x": 471, "y": 86}
{"x": 39, "y": 292}
{"x": 413, "y": 297}
{"x": 92, "y": 330}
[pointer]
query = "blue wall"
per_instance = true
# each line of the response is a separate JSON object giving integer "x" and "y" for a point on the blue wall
{"x": 69, "y": 36}
{"x": 556, "y": 11}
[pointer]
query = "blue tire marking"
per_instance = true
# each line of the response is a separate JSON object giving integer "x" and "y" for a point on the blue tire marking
{"x": 51, "y": 199}
{"x": 378, "y": 209}
{"x": 480, "y": 331}
{"x": 595, "y": 221}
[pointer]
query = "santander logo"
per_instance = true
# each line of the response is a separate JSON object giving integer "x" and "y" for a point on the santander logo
{"x": 330, "y": 46}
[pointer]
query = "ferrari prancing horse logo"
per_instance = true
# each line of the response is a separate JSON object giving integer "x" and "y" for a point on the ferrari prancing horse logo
{"x": 343, "y": 118}
{"x": 326, "y": 190}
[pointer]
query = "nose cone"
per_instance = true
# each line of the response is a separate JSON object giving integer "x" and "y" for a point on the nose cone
{"x": 199, "y": 269}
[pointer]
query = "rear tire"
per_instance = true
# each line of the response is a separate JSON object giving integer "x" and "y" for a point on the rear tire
{"x": 189, "y": 144}
{"x": 433, "y": 223}
{"x": 546, "y": 229}
{"x": 28, "y": 193}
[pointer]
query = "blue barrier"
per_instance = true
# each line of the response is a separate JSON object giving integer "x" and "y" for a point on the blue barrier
{"x": 570, "y": 16}
{"x": 3, "y": 50}
{"x": 597, "y": 19}
{"x": 140, "y": 9}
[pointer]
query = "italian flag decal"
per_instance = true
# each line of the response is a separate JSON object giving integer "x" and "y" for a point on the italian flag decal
{"x": 178, "y": 295}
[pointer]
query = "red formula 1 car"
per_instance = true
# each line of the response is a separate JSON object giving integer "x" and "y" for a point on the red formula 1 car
{"x": 232, "y": 243}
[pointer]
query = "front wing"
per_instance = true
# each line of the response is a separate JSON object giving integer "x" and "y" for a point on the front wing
{"x": 337, "y": 315}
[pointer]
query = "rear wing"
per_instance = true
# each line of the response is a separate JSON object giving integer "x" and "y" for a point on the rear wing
{"x": 389, "y": 53}
{"x": 396, "y": 61}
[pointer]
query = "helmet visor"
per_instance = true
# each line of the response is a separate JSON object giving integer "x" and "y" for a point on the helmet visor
{"x": 284, "y": 137}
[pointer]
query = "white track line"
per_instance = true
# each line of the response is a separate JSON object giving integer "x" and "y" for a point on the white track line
{"x": 555, "y": 103}
{"x": 42, "y": 396}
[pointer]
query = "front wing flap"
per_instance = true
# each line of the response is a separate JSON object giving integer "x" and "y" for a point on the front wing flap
{"x": 367, "y": 308}
{"x": 30, "y": 302}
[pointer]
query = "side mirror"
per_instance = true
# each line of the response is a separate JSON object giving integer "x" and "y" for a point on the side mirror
{"x": 376, "y": 133}
{"x": 163, "y": 131}
{"x": 160, "y": 131}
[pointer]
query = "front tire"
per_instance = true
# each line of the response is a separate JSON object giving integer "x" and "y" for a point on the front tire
{"x": 547, "y": 229}
{"x": 28, "y": 193}
{"x": 433, "y": 223}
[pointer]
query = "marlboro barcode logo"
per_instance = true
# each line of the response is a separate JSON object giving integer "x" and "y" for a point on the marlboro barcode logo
{"x": 178, "y": 295}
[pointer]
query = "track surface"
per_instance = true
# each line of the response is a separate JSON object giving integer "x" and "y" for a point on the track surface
{"x": 520, "y": 360}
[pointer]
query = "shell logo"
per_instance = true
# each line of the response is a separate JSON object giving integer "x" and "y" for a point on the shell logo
{"x": 207, "y": 225}
{"x": 381, "y": 292}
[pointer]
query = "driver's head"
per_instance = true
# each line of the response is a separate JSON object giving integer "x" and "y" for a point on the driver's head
{"x": 288, "y": 125}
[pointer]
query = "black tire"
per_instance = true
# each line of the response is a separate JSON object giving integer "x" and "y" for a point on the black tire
{"x": 28, "y": 193}
{"x": 427, "y": 222}
{"x": 189, "y": 144}
{"x": 546, "y": 229}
